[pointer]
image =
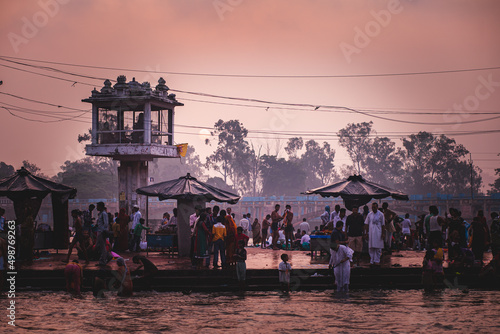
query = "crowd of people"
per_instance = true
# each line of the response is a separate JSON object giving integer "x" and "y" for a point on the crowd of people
{"x": 216, "y": 233}
{"x": 98, "y": 238}
{"x": 217, "y": 237}
{"x": 389, "y": 232}
{"x": 97, "y": 235}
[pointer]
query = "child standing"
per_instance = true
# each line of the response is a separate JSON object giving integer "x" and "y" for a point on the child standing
{"x": 284, "y": 269}
{"x": 240, "y": 255}
{"x": 137, "y": 235}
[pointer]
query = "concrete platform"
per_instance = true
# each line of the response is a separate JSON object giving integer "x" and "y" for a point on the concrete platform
{"x": 257, "y": 259}
{"x": 401, "y": 270}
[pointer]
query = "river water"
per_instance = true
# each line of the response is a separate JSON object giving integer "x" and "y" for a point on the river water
{"x": 388, "y": 311}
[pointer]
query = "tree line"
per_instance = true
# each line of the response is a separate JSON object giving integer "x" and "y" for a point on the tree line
{"x": 420, "y": 163}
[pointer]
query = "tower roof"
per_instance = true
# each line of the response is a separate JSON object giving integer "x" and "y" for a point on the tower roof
{"x": 132, "y": 95}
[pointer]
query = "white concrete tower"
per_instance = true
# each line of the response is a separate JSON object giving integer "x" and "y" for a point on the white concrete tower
{"x": 133, "y": 124}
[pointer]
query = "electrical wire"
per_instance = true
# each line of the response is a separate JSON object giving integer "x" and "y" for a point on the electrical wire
{"x": 41, "y": 102}
{"x": 317, "y": 106}
{"x": 43, "y": 121}
{"x": 15, "y": 107}
{"x": 335, "y": 137}
{"x": 312, "y": 106}
{"x": 264, "y": 76}
{"x": 48, "y": 76}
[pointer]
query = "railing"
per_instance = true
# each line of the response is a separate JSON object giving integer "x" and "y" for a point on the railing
{"x": 129, "y": 136}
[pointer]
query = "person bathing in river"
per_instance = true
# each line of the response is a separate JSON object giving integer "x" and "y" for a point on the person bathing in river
{"x": 74, "y": 276}
{"x": 124, "y": 283}
{"x": 340, "y": 262}
{"x": 149, "y": 271}
{"x": 428, "y": 270}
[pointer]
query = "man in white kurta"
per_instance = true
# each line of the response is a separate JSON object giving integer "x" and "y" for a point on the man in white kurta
{"x": 340, "y": 261}
{"x": 245, "y": 224}
{"x": 375, "y": 224}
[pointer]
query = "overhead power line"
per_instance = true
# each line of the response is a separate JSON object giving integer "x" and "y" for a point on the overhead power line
{"x": 362, "y": 75}
{"x": 268, "y": 104}
{"x": 317, "y": 106}
{"x": 334, "y": 135}
{"x": 41, "y": 102}
{"x": 275, "y": 133}
{"x": 58, "y": 119}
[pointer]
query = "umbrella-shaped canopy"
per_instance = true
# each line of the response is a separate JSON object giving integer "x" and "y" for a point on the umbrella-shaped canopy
{"x": 188, "y": 188}
{"x": 357, "y": 191}
{"x": 23, "y": 184}
{"x": 188, "y": 192}
{"x": 27, "y": 192}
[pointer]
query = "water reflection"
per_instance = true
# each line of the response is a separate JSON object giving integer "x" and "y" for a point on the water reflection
{"x": 320, "y": 311}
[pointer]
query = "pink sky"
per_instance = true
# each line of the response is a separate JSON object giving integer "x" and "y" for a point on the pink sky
{"x": 257, "y": 37}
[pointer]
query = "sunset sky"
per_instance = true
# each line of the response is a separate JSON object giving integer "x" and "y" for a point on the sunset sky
{"x": 257, "y": 38}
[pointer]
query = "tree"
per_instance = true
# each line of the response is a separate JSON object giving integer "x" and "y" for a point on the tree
{"x": 346, "y": 171}
{"x": 436, "y": 164}
{"x": 377, "y": 159}
{"x": 383, "y": 162}
{"x": 317, "y": 162}
{"x": 294, "y": 144}
{"x": 85, "y": 137}
{"x": 90, "y": 164}
{"x": 457, "y": 179}
{"x": 281, "y": 177}
{"x": 417, "y": 157}
{"x": 254, "y": 181}
{"x": 6, "y": 170}
{"x": 425, "y": 164}
{"x": 233, "y": 154}
{"x": 170, "y": 168}
{"x": 34, "y": 169}
{"x": 355, "y": 138}
{"x": 93, "y": 177}
{"x": 219, "y": 183}
{"x": 495, "y": 186}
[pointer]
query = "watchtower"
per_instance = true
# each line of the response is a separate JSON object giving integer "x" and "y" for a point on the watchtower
{"x": 133, "y": 124}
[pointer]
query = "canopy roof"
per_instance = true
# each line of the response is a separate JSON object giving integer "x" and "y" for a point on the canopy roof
{"x": 357, "y": 191}
{"x": 188, "y": 188}
{"x": 23, "y": 184}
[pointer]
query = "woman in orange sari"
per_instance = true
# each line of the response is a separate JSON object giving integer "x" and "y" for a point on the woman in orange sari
{"x": 230, "y": 238}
